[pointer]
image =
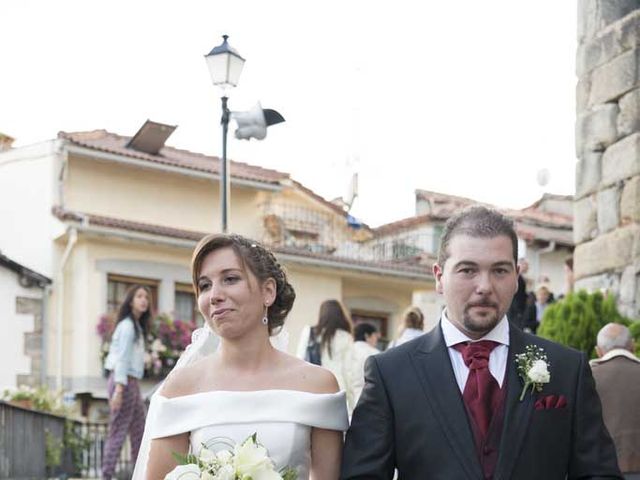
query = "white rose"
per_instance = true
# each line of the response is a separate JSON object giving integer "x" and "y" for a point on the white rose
{"x": 538, "y": 373}
{"x": 250, "y": 458}
{"x": 207, "y": 476}
{"x": 227, "y": 472}
{"x": 266, "y": 475}
{"x": 158, "y": 346}
{"x": 184, "y": 472}
{"x": 206, "y": 455}
{"x": 224, "y": 457}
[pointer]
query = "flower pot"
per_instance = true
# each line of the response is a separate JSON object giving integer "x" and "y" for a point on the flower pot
{"x": 22, "y": 404}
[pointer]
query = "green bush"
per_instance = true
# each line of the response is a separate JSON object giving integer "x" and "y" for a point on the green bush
{"x": 576, "y": 319}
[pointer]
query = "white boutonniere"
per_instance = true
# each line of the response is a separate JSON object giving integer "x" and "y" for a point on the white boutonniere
{"x": 533, "y": 368}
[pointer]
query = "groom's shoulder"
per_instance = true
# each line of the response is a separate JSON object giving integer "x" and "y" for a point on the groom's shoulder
{"x": 401, "y": 352}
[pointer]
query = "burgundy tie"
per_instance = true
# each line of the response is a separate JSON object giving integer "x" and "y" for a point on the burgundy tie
{"x": 481, "y": 393}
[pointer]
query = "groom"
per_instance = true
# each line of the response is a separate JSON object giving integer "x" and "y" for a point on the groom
{"x": 448, "y": 404}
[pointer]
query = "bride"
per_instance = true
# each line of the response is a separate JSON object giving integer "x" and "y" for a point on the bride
{"x": 246, "y": 386}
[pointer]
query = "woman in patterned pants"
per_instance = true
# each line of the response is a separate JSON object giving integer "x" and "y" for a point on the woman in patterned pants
{"x": 126, "y": 363}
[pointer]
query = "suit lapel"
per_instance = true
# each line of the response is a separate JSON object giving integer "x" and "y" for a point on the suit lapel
{"x": 433, "y": 365}
{"x": 517, "y": 413}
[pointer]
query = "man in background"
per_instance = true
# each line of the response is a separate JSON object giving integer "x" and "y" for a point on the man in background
{"x": 518, "y": 306}
{"x": 617, "y": 376}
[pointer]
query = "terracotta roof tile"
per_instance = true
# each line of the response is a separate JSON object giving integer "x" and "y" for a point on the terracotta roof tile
{"x": 104, "y": 141}
{"x": 101, "y": 221}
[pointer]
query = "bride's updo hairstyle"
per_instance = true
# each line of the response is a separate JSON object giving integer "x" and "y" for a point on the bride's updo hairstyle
{"x": 260, "y": 261}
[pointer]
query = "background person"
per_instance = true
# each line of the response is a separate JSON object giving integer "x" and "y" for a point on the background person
{"x": 366, "y": 338}
{"x": 125, "y": 360}
{"x": 537, "y": 302}
{"x": 334, "y": 330}
{"x": 520, "y": 300}
{"x": 617, "y": 376}
{"x": 569, "y": 277}
{"x": 412, "y": 326}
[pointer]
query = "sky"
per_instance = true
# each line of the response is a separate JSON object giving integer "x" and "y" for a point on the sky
{"x": 466, "y": 98}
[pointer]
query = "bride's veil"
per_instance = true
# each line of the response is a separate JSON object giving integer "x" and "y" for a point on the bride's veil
{"x": 203, "y": 342}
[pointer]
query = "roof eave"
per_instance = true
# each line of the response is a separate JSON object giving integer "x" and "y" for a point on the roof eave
{"x": 159, "y": 239}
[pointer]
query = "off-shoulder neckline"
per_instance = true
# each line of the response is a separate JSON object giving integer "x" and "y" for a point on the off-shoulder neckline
{"x": 245, "y": 392}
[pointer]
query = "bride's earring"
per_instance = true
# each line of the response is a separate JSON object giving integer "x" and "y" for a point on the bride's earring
{"x": 265, "y": 318}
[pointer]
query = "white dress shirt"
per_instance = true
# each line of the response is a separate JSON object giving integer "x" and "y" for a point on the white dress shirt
{"x": 497, "y": 358}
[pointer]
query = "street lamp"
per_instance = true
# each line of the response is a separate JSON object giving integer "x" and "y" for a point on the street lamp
{"x": 225, "y": 66}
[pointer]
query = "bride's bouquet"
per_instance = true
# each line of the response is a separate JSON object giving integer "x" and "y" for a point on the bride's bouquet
{"x": 243, "y": 461}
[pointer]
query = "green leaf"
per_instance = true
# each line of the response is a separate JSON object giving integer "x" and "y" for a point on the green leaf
{"x": 185, "y": 459}
{"x": 288, "y": 473}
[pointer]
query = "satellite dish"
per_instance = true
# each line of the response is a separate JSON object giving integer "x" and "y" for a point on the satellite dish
{"x": 543, "y": 176}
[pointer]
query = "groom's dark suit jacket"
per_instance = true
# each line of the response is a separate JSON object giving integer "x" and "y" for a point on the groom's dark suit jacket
{"x": 411, "y": 416}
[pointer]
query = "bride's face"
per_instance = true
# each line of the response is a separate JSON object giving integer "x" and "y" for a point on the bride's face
{"x": 230, "y": 297}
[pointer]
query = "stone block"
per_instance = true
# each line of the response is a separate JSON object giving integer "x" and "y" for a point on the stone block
{"x": 32, "y": 343}
{"x": 608, "y": 43}
{"x": 597, "y": 129}
{"x": 627, "y": 310}
{"x": 615, "y": 78}
{"x": 621, "y": 160}
{"x": 585, "y": 225}
{"x": 583, "y": 89}
{"x": 608, "y": 202}
{"x": 607, "y": 282}
{"x": 588, "y": 170}
{"x": 594, "y": 15}
{"x": 628, "y": 284}
{"x": 630, "y": 201}
{"x": 28, "y": 305}
{"x": 610, "y": 252}
{"x": 629, "y": 115}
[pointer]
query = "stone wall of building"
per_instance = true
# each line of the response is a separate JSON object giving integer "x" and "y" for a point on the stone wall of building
{"x": 607, "y": 198}
{"x": 32, "y": 340}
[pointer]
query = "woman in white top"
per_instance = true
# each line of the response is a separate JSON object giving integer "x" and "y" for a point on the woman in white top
{"x": 247, "y": 386}
{"x": 412, "y": 326}
{"x": 366, "y": 338}
{"x": 334, "y": 331}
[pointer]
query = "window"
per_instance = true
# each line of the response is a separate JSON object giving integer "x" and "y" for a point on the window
{"x": 117, "y": 286}
{"x": 186, "y": 306}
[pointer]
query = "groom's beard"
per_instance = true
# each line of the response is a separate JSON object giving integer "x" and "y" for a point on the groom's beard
{"x": 481, "y": 323}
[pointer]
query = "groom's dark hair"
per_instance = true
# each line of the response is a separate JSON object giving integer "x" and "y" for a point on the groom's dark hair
{"x": 479, "y": 222}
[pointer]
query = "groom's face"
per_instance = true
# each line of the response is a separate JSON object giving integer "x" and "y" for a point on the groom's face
{"x": 478, "y": 281}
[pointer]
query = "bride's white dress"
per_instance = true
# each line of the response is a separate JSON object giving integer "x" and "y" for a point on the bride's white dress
{"x": 282, "y": 420}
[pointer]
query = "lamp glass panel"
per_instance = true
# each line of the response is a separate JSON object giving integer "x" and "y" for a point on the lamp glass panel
{"x": 235, "y": 69}
{"x": 218, "y": 68}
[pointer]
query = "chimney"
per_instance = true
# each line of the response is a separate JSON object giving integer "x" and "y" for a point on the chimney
{"x": 5, "y": 142}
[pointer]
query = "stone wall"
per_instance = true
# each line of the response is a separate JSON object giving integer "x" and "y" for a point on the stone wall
{"x": 32, "y": 340}
{"x": 607, "y": 199}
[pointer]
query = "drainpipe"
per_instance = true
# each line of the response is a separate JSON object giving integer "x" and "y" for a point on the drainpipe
{"x": 73, "y": 238}
{"x": 45, "y": 332}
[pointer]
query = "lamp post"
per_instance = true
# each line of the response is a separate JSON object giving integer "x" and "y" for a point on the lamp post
{"x": 225, "y": 66}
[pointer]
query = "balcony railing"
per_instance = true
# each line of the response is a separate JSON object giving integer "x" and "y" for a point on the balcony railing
{"x": 317, "y": 232}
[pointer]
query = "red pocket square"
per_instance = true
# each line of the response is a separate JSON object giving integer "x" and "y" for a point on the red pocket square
{"x": 550, "y": 401}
